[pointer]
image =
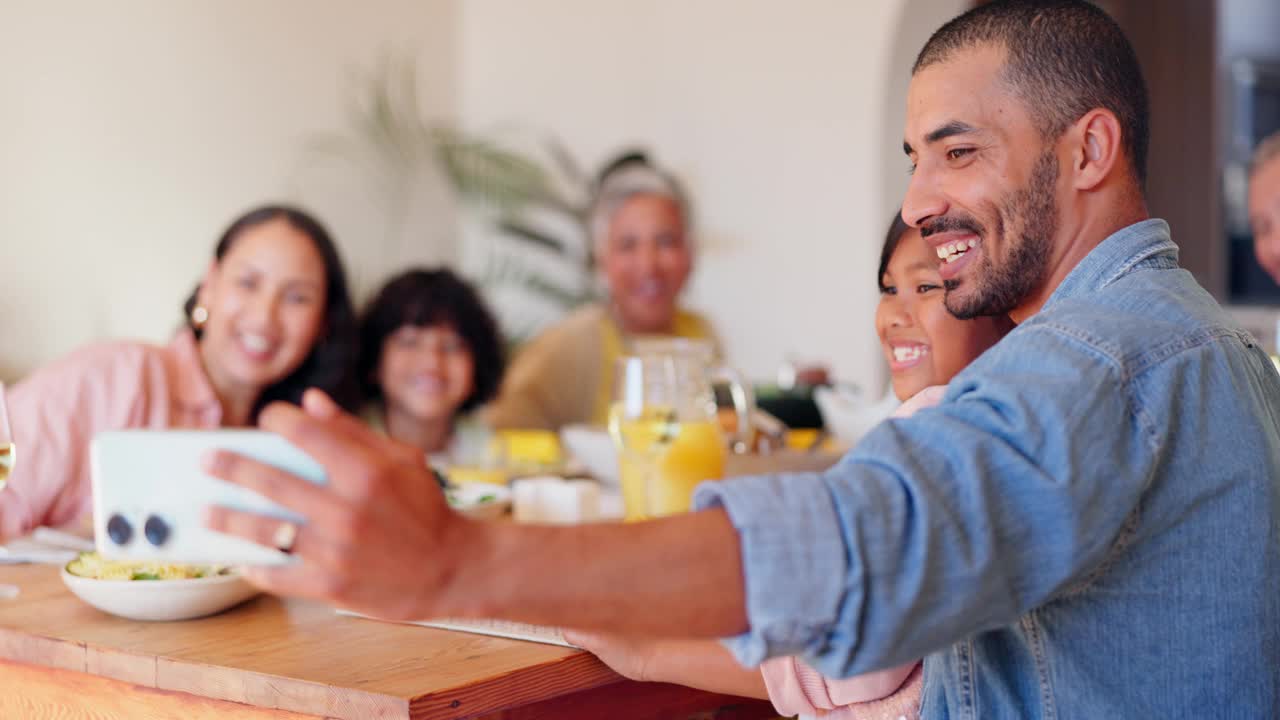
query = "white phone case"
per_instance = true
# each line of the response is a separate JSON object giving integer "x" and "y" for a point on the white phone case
{"x": 149, "y": 491}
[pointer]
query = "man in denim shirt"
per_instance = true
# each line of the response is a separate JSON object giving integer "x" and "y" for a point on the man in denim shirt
{"x": 1087, "y": 526}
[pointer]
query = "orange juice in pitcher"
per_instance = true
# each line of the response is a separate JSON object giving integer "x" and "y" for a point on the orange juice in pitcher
{"x": 664, "y": 423}
{"x": 696, "y": 454}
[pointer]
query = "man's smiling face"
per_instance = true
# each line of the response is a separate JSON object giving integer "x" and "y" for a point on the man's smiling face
{"x": 983, "y": 185}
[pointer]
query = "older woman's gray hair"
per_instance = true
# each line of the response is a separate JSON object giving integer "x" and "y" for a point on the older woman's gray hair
{"x": 1268, "y": 150}
{"x": 626, "y": 182}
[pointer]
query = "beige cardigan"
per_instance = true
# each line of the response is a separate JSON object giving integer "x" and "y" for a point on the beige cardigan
{"x": 565, "y": 375}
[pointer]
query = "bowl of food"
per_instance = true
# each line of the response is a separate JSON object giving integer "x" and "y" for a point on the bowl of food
{"x": 152, "y": 590}
{"x": 479, "y": 500}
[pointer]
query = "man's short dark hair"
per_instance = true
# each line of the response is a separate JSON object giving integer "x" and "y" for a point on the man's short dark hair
{"x": 1064, "y": 58}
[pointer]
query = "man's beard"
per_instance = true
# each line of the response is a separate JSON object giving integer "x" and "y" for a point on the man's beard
{"x": 999, "y": 288}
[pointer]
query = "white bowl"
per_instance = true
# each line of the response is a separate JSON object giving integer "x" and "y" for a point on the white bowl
{"x": 480, "y": 500}
{"x": 849, "y": 415}
{"x": 161, "y": 599}
{"x": 594, "y": 449}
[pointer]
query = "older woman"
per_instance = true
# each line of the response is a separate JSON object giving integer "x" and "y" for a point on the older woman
{"x": 639, "y": 228}
{"x": 1264, "y": 205}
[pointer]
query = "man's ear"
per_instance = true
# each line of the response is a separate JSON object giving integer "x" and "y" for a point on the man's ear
{"x": 1098, "y": 150}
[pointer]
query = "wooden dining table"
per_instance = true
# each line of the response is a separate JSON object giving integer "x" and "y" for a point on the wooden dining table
{"x": 274, "y": 659}
{"x": 282, "y": 659}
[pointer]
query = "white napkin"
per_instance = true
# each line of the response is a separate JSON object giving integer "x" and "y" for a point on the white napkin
{"x": 46, "y": 546}
{"x": 555, "y": 500}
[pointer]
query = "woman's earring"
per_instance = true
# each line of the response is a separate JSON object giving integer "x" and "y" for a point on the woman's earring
{"x": 199, "y": 316}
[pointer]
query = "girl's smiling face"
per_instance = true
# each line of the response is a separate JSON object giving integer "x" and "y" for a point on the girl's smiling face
{"x": 924, "y": 344}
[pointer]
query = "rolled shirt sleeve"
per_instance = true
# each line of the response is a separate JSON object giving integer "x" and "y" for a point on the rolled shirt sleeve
{"x": 955, "y": 520}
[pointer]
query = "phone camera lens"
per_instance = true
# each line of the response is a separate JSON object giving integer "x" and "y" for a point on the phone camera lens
{"x": 119, "y": 529}
{"x": 156, "y": 530}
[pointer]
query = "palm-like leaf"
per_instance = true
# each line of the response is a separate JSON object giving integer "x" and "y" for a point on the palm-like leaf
{"x": 499, "y": 177}
{"x": 390, "y": 143}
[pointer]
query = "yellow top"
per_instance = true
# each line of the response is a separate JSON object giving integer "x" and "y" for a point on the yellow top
{"x": 565, "y": 375}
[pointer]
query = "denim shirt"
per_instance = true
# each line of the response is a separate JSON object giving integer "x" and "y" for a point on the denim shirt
{"x": 1087, "y": 526}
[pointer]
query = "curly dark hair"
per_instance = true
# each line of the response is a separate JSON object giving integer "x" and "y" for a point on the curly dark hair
{"x": 430, "y": 297}
{"x": 331, "y": 364}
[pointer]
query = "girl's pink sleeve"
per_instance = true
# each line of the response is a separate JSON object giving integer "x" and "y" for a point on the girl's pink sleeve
{"x": 796, "y": 688}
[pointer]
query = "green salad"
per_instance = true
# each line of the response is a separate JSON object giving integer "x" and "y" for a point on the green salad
{"x": 452, "y": 498}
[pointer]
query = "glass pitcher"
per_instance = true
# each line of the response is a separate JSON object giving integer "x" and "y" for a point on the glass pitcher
{"x": 666, "y": 423}
{"x": 701, "y": 374}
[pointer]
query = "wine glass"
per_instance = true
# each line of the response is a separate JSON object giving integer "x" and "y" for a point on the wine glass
{"x": 8, "y": 452}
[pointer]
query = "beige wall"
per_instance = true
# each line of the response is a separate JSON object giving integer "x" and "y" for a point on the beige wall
{"x": 775, "y": 113}
{"x": 132, "y": 131}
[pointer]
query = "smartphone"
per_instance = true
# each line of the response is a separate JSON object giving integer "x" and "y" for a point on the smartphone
{"x": 149, "y": 495}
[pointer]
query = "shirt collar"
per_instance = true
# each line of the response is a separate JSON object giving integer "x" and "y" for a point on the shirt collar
{"x": 1117, "y": 256}
{"x": 191, "y": 387}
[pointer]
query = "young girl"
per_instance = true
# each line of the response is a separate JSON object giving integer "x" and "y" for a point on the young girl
{"x": 271, "y": 318}
{"x": 431, "y": 352}
{"x": 925, "y": 347}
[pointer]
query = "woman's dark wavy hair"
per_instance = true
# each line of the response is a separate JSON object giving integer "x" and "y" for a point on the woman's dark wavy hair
{"x": 431, "y": 297}
{"x": 892, "y": 238}
{"x": 331, "y": 364}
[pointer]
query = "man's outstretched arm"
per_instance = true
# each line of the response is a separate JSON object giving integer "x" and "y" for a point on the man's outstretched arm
{"x": 380, "y": 539}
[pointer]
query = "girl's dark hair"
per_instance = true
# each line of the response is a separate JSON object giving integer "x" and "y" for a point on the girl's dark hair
{"x": 331, "y": 364}
{"x": 897, "y": 229}
{"x": 426, "y": 298}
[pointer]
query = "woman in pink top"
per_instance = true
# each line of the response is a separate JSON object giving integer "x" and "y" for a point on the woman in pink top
{"x": 271, "y": 317}
{"x": 925, "y": 347}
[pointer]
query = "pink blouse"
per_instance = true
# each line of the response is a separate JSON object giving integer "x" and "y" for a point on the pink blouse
{"x": 893, "y": 694}
{"x": 58, "y": 409}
